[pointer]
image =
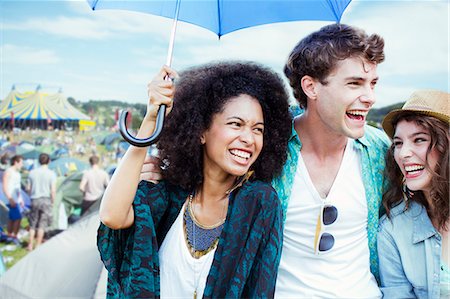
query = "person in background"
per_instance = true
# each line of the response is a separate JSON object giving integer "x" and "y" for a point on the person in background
{"x": 413, "y": 238}
{"x": 11, "y": 188}
{"x": 4, "y": 162}
{"x": 93, "y": 184}
{"x": 212, "y": 228}
{"x": 42, "y": 189}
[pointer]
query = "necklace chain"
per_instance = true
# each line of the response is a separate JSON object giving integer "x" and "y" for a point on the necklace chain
{"x": 194, "y": 218}
{"x": 195, "y": 222}
{"x": 197, "y": 254}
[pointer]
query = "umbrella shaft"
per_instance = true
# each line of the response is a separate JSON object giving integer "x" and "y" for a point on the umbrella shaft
{"x": 172, "y": 34}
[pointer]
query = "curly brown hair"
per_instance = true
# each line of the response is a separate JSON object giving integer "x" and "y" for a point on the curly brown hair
{"x": 439, "y": 134}
{"x": 318, "y": 54}
{"x": 202, "y": 92}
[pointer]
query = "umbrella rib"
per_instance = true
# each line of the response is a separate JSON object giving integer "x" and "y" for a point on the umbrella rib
{"x": 335, "y": 12}
{"x": 219, "y": 32}
{"x": 94, "y": 4}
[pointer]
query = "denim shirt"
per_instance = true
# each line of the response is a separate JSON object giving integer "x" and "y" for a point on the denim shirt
{"x": 409, "y": 249}
{"x": 372, "y": 148}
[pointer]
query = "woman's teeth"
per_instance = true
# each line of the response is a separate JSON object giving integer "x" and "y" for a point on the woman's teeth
{"x": 414, "y": 168}
{"x": 240, "y": 154}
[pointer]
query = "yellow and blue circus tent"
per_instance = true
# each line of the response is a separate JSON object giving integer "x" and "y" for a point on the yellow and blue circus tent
{"x": 38, "y": 110}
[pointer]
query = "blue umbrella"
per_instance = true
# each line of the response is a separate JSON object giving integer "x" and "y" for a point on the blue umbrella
{"x": 221, "y": 17}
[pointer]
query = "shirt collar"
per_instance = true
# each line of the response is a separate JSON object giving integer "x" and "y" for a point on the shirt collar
{"x": 294, "y": 136}
{"x": 363, "y": 140}
{"x": 295, "y": 111}
{"x": 422, "y": 226}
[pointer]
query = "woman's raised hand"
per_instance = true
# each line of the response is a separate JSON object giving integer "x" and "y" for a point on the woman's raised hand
{"x": 160, "y": 92}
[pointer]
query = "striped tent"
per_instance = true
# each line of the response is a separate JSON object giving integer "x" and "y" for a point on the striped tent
{"x": 38, "y": 110}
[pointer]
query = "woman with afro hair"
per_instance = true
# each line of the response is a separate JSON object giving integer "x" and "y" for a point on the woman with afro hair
{"x": 213, "y": 227}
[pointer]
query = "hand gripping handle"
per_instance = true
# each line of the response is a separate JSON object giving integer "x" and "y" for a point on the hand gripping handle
{"x": 137, "y": 141}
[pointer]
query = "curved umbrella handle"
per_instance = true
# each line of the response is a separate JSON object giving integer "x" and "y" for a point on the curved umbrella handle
{"x": 137, "y": 141}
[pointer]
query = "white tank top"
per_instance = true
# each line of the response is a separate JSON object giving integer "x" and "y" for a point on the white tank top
{"x": 14, "y": 184}
{"x": 344, "y": 270}
{"x": 179, "y": 271}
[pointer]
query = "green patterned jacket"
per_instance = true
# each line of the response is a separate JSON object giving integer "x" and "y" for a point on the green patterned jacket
{"x": 245, "y": 263}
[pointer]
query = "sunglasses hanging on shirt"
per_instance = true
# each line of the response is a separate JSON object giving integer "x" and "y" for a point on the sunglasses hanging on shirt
{"x": 324, "y": 241}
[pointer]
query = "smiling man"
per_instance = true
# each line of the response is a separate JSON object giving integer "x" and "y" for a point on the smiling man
{"x": 331, "y": 186}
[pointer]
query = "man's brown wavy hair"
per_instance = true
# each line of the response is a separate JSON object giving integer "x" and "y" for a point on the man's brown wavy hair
{"x": 318, "y": 54}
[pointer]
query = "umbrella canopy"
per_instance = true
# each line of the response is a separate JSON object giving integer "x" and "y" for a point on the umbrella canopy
{"x": 225, "y": 16}
{"x": 221, "y": 17}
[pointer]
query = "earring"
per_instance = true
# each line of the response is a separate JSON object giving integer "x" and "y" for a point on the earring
{"x": 240, "y": 181}
{"x": 407, "y": 194}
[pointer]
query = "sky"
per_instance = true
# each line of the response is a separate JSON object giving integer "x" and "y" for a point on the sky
{"x": 113, "y": 54}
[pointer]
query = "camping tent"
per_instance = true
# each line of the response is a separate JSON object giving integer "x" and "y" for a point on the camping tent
{"x": 66, "y": 266}
{"x": 65, "y": 165}
{"x": 69, "y": 196}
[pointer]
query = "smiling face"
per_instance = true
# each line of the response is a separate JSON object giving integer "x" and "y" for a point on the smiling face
{"x": 235, "y": 138}
{"x": 346, "y": 96}
{"x": 411, "y": 144}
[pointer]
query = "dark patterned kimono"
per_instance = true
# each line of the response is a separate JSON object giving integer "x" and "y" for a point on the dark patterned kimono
{"x": 245, "y": 263}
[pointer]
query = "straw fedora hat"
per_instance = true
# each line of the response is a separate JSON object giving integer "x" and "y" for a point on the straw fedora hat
{"x": 427, "y": 102}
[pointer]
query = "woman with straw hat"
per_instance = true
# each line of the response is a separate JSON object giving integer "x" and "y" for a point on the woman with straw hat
{"x": 413, "y": 239}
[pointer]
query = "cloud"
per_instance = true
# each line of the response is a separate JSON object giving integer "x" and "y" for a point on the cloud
{"x": 417, "y": 38}
{"x": 108, "y": 85}
{"x": 416, "y": 44}
{"x": 94, "y": 25}
{"x": 391, "y": 94}
{"x": 14, "y": 54}
{"x": 61, "y": 26}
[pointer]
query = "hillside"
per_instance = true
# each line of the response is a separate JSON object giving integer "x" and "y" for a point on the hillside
{"x": 376, "y": 115}
{"x": 104, "y": 111}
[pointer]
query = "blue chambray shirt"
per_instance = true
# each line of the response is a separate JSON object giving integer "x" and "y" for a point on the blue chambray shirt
{"x": 409, "y": 249}
{"x": 372, "y": 148}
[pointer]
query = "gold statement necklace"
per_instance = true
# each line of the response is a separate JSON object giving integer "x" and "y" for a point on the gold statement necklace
{"x": 190, "y": 209}
{"x": 194, "y": 226}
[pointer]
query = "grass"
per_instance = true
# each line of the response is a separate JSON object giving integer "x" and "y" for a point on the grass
{"x": 13, "y": 256}
{"x": 13, "y": 253}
